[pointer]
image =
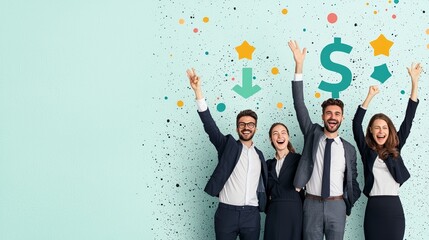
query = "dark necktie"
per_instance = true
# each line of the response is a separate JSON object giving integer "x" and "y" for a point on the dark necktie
{"x": 326, "y": 179}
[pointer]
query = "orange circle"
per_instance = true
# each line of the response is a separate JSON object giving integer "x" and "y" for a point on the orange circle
{"x": 427, "y": 46}
{"x": 317, "y": 95}
{"x": 427, "y": 31}
{"x": 284, "y": 11}
{"x": 181, "y": 21}
{"x": 280, "y": 105}
{"x": 180, "y": 103}
{"x": 375, "y": 12}
{"x": 206, "y": 19}
{"x": 274, "y": 70}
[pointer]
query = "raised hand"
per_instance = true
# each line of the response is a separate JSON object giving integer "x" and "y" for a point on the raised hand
{"x": 414, "y": 71}
{"x": 373, "y": 90}
{"x": 298, "y": 55}
{"x": 194, "y": 81}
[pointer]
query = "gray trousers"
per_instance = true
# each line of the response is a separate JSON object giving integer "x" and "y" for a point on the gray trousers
{"x": 324, "y": 218}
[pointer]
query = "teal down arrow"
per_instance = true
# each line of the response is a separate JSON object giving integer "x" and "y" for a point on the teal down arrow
{"x": 247, "y": 90}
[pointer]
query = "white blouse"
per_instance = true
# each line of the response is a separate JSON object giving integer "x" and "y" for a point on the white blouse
{"x": 384, "y": 184}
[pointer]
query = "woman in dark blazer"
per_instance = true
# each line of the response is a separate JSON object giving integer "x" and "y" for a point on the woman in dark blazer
{"x": 384, "y": 169}
{"x": 284, "y": 208}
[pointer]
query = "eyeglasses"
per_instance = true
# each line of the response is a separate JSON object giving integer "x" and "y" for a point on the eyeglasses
{"x": 250, "y": 125}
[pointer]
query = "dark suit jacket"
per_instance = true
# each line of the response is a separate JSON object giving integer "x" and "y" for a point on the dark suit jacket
{"x": 312, "y": 134}
{"x": 395, "y": 165}
{"x": 229, "y": 151}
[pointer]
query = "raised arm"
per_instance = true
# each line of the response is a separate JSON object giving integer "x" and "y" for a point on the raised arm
{"x": 373, "y": 90}
{"x": 358, "y": 133}
{"x": 301, "y": 110}
{"x": 210, "y": 127}
{"x": 404, "y": 130}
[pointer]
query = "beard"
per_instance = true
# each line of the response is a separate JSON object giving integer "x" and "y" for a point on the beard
{"x": 245, "y": 138}
{"x": 329, "y": 129}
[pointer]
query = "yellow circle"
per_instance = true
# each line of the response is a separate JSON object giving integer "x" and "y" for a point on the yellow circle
{"x": 280, "y": 105}
{"x": 181, "y": 21}
{"x": 284, "y": 11}
{"x": 317, "y": 95}
{"x": 367, "y": 3}
{"x": 274, "y": 70}
{"x": 180, "y": 103}
{"x": 390, "y": 1}
{"x": 375, "y": 12}
{"x": 206, "y": 19}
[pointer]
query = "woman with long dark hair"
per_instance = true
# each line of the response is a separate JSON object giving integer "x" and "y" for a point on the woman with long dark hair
{"x": 284, "y": 208}
{"x": 384, "y": 168}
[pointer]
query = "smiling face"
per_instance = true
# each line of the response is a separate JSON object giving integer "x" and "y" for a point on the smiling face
{"x": 380, "y": 131}
{"x": 246, "y": 128}
{"x": 279, "y": 137}
{"x": 332, "y": 118}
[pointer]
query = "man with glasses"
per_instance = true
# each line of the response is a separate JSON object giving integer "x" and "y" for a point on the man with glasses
{"x": 327, "y": 168}
{"x": 240, "y": 176}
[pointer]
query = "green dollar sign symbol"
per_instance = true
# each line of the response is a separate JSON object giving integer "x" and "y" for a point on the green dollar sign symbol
{"x": 346, "y": 74}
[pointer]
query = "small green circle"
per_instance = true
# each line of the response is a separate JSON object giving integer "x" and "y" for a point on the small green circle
{"x": 221, "y": 107}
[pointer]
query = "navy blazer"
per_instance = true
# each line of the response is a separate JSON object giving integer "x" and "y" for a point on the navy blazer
{"x": 312, "y": 134}
{"x": 396, "y": 166}
{"x": 229, "y": 151}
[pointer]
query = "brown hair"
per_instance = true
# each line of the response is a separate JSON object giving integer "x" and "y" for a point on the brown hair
{"x": 392, "y": 142}
{"x": 249, "y": 113}
{"x": 289, "y": 144}
{"x": 332, "y": 101}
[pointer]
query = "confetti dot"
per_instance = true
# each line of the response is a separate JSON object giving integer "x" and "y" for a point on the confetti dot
{"x": 274, "y": 70}
{"x": 317, "y": 95}
{"x": 394, "y": 16}
{"x": 226, "y": 74}
{"x": 332, "y": 18}
{"x": 233, "y": 78}
{"x": 402, "y": 91}
{"x": 165, "y": 97}
{"x": 181, "y": 21}
{"x": 221, "y": 107}
{"x": 284, "y": 11}
{"x": 304, "y": 29}
{"x": 207, "y": 53}
{"x": 254, "y": 77}
{"x": 396, "y": 1}
{"x": 195, "y": 30}
{"x": 279, "y": 105}
{"x": 180, "y": 103}
{"x": 205, "y": 19}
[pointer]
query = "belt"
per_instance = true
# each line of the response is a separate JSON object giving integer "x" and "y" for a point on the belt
{"x": 237, "y": 208}
{"x": 319, "y": 198}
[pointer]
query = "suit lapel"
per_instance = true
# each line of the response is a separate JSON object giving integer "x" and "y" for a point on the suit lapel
{"x": 316, "y": 140}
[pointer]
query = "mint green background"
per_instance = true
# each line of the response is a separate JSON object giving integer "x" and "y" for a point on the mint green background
{"x": 94, "y": 146}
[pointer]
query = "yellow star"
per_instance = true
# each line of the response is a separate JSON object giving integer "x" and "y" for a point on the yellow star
{"x": 381, "y": 45}
{"x": 245, "y": 50}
